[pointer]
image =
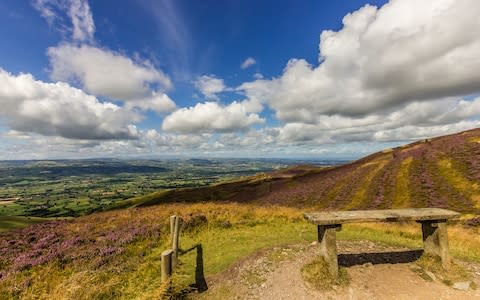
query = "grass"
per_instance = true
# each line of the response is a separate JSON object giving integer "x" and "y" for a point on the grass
{"x": 359, "y": 197}
{"x": 463, "y": 242}
{"x": 402, "y": 194}
{"x": 316, "y": 274}
{"x": 15, "y": 222}
{"x": 462, "y": 184}
{"x": 224, "y": 246}
{"x": 233, "y": 232}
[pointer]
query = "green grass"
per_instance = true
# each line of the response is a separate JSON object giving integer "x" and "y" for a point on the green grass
{"x": 224, "y": 246}
{"x": 15, "y": 222}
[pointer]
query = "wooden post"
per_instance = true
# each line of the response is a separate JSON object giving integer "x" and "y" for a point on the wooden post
{"x": 166, "y": 268}
{"x": 435, "y": 240}
{"x": 175, "y": 246}
{"x": 328, "y": 246}
{"x": 172, "y": 226}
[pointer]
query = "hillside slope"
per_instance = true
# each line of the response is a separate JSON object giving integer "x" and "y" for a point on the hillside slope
{"x": 438, "y": 172}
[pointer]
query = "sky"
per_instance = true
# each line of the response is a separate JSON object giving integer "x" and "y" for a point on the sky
{"x": 178, "y": 78}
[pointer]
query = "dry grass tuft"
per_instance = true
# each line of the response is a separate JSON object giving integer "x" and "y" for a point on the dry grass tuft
{"x": 316, "y": 275}
{"x": 455, "y": 273}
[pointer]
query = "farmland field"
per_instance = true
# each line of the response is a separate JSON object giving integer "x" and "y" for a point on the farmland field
{"x": 70, "y": 188}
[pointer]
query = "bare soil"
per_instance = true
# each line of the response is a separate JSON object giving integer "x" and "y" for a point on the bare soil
{"x": 376, "y": 272}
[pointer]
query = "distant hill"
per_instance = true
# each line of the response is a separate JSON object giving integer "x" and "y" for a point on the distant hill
{"x": 438, "y": 172}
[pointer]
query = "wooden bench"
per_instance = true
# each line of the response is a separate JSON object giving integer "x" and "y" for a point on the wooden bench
{"x": 433, "y": 220}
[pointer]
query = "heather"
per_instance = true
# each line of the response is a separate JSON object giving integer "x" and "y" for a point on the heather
{"x": 441, "y": 172}
{"x": 116, "y": 254}
{"x": 107, "y": 254}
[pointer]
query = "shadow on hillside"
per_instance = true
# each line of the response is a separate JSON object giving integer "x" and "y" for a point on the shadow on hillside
{"x": 354, "y": 259}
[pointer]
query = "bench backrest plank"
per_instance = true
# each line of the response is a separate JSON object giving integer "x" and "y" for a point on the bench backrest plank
{"x": 386, "y": 215}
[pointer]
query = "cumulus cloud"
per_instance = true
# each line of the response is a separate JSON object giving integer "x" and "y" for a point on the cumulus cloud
{"x": 210, "y": 86}
{"x": 78, "y": 12}
{"x": 391, "y": 74}
{"x": 158, "y": 102}
{"x": 211, "y": 116}
{"x": 381, "y": 59}
{"x": 250, "y": 61}
{"x": 105, "y": 73}
{"x": 57, "y": 109}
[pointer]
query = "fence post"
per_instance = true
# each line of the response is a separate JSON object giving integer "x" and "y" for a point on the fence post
{"x": 166, "y": 265}
{"x": 175, "y": 246}
{"x": 172, "y": 226}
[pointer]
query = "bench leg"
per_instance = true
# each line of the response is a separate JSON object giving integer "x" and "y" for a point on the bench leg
{"x": 435, "y": 240}
{"x": 328, "y": 246}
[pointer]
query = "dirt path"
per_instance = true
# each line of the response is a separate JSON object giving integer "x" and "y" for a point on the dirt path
{"x": 275, "y": 274}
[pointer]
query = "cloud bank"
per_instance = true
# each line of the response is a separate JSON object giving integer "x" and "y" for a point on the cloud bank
{"x": 57, "y": 109}
{"x": 404, "y": 71}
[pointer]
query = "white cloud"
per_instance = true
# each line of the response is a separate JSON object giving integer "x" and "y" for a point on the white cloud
{"x": 82, "y": 20}
{"x": 175, "y": 141}
{"x": 79, "y": 14}
{"x": 158, "y": 102}
{"x": 414, "y": 121}
{"x": 210, "y": 86}
{"x": 381, "y": 59}
{"x": 250, "y": 61}
{"x": 105, "y": 73}
{"x": 210, "y": 117}
{"x": 57, "y": 109}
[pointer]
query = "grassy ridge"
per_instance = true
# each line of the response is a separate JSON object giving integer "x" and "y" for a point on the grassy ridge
{"x": 441, "y": 172}
{"x": 16, "y": 222}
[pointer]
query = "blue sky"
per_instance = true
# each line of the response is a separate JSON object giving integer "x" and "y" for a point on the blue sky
{"x": 233, "y": 78}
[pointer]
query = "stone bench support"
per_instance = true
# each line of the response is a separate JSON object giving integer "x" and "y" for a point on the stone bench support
{"x": 327, "y": 238}
{"x": 435, "y": 240}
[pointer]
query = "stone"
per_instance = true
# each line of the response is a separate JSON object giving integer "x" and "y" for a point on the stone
{"x": 462, "y": 286}
{"x": 328, "y": 246}
{"x": 367, "y": 265}
{"x": 431, "y": 275}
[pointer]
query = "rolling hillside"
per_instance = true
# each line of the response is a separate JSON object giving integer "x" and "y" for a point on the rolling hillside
{"x": 116, "y": 254}
{"x": 438, "y": 172}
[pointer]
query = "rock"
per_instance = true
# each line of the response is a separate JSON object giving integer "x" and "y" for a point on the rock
{"x": 431, "y": 275}
{"x": 463, "y": 286}
{"x": 367, "y": 265}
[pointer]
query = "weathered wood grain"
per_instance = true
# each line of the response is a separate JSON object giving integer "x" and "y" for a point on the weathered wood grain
{"x": 166, "y": 266}
{"x": 387, "y": 215}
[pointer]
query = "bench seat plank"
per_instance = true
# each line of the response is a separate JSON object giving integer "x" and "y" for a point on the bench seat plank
{"x": 387, "y": 215}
